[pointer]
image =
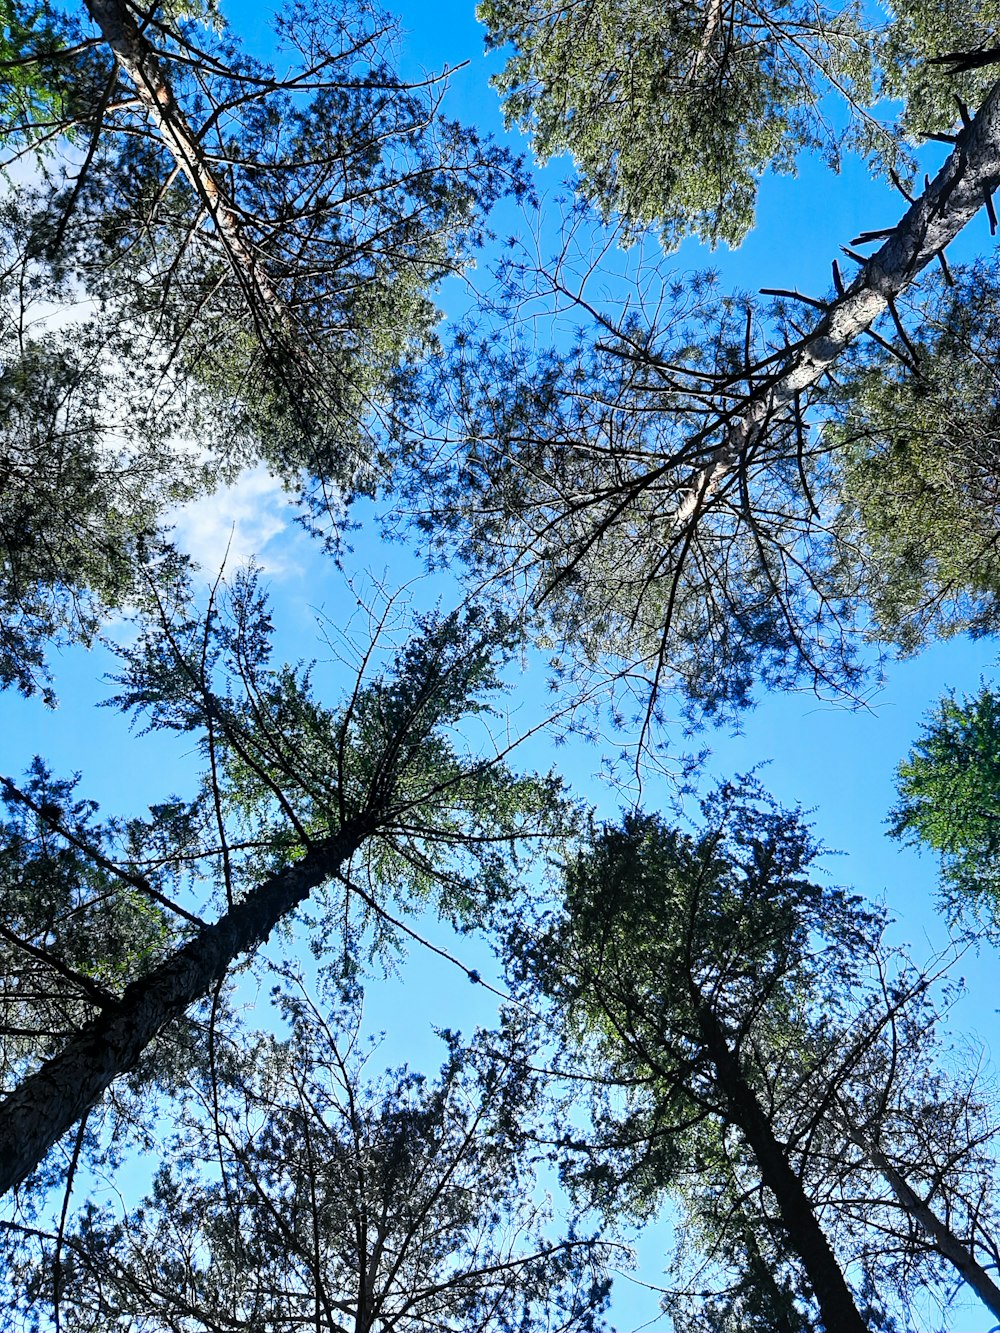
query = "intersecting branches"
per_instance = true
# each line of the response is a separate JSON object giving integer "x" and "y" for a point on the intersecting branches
{"x": 293, "y": 794}
{"x": 274, "y": 237}
{"x": 658, "y": 484}
{"x": 328, "y": 1196}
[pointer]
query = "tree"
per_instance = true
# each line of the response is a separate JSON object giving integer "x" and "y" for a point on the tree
{"x": 948, "y": 791}
{"x": 571, "y": 485}
{"x": 672, "y": 113}
{"x": 87, "y": 468}
{"x": 294, "y": 797}
{"x": 756, "y": 1057}
{"x": 205, "y": 251}
{"x": 915, "y": 449}
{"x": 263, "y": 250}
{"x": 661, "y": 490}
{"x": 298, "y": 1188}
{"x": 274, "y": 237}
{"x": 34, "y": 96}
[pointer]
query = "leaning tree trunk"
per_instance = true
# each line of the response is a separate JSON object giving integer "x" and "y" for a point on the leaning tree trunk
{"x": 138, "y": 60}
{"x": 49, "y": 1102}
{"x": 805, "y": 1235}
{"x": 943, "y": 1238}
{"x": 960, "y": 189}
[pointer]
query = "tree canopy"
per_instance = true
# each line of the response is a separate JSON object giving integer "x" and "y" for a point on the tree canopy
{"x": 639, "y": 494}
{"x": 316, "y": 1191}
{"x": 672, "y": 112}
{"x": 251, "y": 258}
{"x": 948, "y": 798}
{"x": 763, "y": 1059}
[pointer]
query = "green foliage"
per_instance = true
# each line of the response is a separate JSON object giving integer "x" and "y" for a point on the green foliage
{"x": 353, "y": 195}
{"x": 736, "y": 1014}
{"x": 385, "y": 787}
{"x": 348, "y": 197}
{"x": 38, "y": 94}
{"x": 727, "y": 1274}
{"x": 698, "y": 973}
{"x": 86, "y": 471}
{"x": 672, "y": 112}
{"x": 918, "y": 457}
{"x": 649, "y": 907}
{"x": 654, "y": 919}
{"x": 73, "y": 932}
{"x": 949, "y": 799}
{"x": 298, "y": 1184}
{"x": 573, "y": 468}
{"x": 918, "y": 31}
{"x": 658, "y": 924}
{"x": 439, "y": 819}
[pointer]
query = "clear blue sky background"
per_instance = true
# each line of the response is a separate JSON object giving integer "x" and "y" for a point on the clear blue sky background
{"x": 839, "y": 762}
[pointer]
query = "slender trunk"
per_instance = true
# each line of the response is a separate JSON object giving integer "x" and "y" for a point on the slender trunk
{"x": 50, "y": 1101}
{"x": 945, "y": 1241}
{"x": 137, "y": 58}
{"x": 805, "y": 1235}
{"x": 950, "y": 201}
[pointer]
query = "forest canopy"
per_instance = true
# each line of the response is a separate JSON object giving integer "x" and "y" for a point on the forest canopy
{"x": 336, "y": 991}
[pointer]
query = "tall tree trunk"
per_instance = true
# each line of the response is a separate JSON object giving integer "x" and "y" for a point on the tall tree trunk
{"x": 959, "y": 190}
{"x": 49, "y": 1102}
{"x": 805, "y": 1235}
{"x": 137, "y": 58}
{"x": 945, "y": 1241}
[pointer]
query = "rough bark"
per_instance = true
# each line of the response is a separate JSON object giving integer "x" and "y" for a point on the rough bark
{"x": 945, "y": 1241}
{"x": 959, "y": 190}
{"x": 804, "y": 1233}
{"x": 137, "y": 59}
{"x": 49, "y": 1102}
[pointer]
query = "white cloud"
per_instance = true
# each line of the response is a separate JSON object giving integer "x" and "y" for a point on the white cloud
{"x": 248, "y": 519}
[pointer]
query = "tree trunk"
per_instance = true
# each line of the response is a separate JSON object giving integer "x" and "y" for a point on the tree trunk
{"x": 805, "y": 1235}
{"x": 50, "y": 1101}
{"x": 945, "y": 1241}
{"x": 138, "y": 59}
{"x": 950, "y": 201}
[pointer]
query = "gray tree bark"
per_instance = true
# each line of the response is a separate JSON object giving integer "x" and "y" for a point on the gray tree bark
{"x": 945, "y": 1241}
{"x": 138, "y": 60}
{"x": 804, "y": 1233}
{"x": 950, "y": 201}
{"x": 53, "y": 1099}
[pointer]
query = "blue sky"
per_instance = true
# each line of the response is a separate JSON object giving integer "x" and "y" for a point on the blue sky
{"x": 841, "y": 763}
